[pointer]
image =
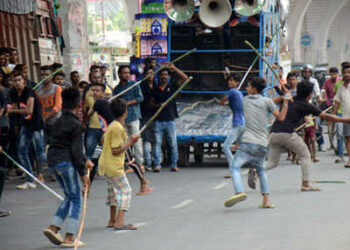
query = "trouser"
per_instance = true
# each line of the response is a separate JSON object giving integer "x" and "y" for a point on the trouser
{"x": 67, "y": 177}
{"x": 2, "y": 179}
{"x": 4, "y": 143}
{"x": 255, "y": 156}
{"x": 233, "y": 135}
{"x": 169, "y": 128}
{"x": 132, "y": 129}
{"x": 119, "y": 192}
{"x": 340, "y": 137}
{"x": 48, "y": 133}
{"x": 148, "y": 153}
{"x": 279, "y": 141}
{"x": 25, "y": 138}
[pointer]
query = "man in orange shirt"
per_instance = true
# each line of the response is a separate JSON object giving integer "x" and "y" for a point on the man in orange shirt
{"x": 49, "y": 95}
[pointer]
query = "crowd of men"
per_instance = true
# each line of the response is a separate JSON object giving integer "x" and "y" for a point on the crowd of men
{"x": 36, "y": 124}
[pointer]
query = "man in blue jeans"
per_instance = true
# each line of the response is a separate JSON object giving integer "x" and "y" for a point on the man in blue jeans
{"x": 165, "y": 121}
{"x": 25, "y": 103}
{"x": 235, "y": 101}
{"x": 67, "y": 161}
{"x": 253, "y": 149}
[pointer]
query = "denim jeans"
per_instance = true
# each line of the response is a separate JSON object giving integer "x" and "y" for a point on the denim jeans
{"x": 67, "y": 177}
{"x": 132, "y": 129}
{"x": 234, "y": 134}
{"x": 255, "y": 156}
{"x": 25, "y": 139}
{"x": 170, "y": 132}
{"x": 148, "y": 153}
{"x": 340, "y": 137}
{"x": 93, "y": 137}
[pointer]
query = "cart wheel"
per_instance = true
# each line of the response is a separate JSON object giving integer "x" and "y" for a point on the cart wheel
{"x": 332, "y": 134}
{"x": 184, "y": 155}
{"x": 198, "y": 152}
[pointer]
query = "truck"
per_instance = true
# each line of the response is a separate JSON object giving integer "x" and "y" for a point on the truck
{"x": 202, "y": 124}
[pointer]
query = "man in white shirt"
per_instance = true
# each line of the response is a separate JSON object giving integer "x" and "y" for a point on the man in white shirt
{"x": 343, "y": 98}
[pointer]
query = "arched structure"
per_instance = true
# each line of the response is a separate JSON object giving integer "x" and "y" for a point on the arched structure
{"x": 325, "y": 23}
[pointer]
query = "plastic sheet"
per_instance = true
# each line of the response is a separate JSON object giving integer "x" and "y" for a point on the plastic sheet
{"x": 205, "y": 121}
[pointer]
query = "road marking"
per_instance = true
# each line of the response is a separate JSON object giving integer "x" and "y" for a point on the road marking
{"x": 183, "y": 204}
{"x": 221, "y": 185}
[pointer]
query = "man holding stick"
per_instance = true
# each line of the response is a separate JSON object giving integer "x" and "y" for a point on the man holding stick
{"x": 283, "y": 133}
{"x": 133, "y": 98}
{"x": 165, "y": 121}
{"x": 67, "y": 161}
{"x": 343, "y": 98}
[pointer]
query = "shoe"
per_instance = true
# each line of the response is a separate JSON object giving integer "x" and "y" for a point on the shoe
{"x": 323, "y": 148}
{"x": 4, "y": 213}
{"x": 339, "y": 160}
{"x": 235, "y": 199}
{"x": 156, "y": 170}
{"x": 72, "y": 245}
{"x": 54, "y": 238}
{"x": 252, "y": 176}
{"x": 27, "y": 185}
{"x": 148, "y": 169}
{"x": 174, "y": 169}
{"x": 347, "y": 165}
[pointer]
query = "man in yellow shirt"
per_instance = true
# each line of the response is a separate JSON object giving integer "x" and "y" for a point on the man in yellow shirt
{"x": 94, "y": 131}
{"x": 111, "y": 165}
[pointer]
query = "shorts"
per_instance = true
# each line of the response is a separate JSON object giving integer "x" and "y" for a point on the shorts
{"x": 346, "y": 129}
{"x": 310, "y": 132}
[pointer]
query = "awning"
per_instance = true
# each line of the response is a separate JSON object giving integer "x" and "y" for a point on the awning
{"x": 18, "y": 6}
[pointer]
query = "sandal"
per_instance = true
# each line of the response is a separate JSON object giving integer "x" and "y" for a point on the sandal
{"x": 266, "y": 206}
{"x": 235, "y": 199}
{"x": 126, "y": 227}
{"x": 146, "y": 192}
{"x": 309, "y": 189}
{"x": 54, "y": 238}
{"x": 72, "y": 244}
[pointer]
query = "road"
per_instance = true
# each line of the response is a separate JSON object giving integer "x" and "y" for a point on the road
{"x": 186, "y": 211}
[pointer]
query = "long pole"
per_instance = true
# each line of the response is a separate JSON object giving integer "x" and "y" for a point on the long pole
{"x": 31, "y": 175}
{"x": 148, "y": 123}
{"x": 256, "y": 60}
{"x": 264, "y": 59}
{"x": 43, "y": 80}
{"x": 304, "y": 124}
{"x": 83, "y": 214}
{"x": 155, "y": 72}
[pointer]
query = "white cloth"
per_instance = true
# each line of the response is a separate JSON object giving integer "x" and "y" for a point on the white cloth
{"x": 343, "y": 97}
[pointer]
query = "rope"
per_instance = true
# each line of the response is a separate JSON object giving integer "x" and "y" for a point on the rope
{"x": 197, "y": 103}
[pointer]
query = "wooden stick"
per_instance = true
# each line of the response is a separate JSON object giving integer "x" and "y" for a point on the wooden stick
{"x": 304, "y": 124}
{"x": 155, "y": 72}
{"x": 82, "y": 215}
{"x": 148, "y": 123}
{"x": 43, "y": 80}
{"x": 32, "y": 176}
{"x": 256, "y": 60}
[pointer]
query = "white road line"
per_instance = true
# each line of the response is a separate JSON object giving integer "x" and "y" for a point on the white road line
{"x": 183, "y": 204}
{"x": 221, "y": 185}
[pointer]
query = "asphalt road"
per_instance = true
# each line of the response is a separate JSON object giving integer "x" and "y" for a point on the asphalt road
{"x": 186, "y": 211}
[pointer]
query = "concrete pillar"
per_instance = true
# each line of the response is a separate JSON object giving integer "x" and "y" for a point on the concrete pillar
{"x": 295, "y": 21}
{"x": 321, "y": 35}
{"x": 73, "y": 14}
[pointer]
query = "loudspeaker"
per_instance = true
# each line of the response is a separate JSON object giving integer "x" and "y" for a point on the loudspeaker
{"x": 209, "y": 41}
{"x": 212, "y": 82}
{"x": 242, "y": 32}
{"x": 183, "y": 37}
{"x": 210, "y": 61}
{"x": 187, "y": 63}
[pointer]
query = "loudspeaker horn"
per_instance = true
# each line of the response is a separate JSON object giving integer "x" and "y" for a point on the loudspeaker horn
{"x": 179, "y": 10}
{"x": 215, "y": 13}
{"x": 249, "y": 7}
